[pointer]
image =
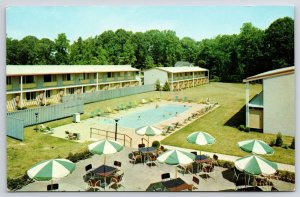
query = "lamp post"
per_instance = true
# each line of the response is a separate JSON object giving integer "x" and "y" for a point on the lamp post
{"x": 36, "y": 121}
{"x": 116, "y": 131}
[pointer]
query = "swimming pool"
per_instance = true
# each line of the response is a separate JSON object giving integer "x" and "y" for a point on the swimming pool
{"x": 148, "y": 116}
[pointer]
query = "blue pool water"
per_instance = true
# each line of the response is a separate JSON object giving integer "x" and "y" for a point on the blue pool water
{"x": 148, "y": 117}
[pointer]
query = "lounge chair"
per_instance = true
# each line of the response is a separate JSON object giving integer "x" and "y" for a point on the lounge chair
{"x": 176, "y": 125}
{"x": 144, "y": 101}
{"x": 45, "y": 129}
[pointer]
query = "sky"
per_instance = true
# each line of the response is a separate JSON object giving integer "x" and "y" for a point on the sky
{"x": 197, "y": 22}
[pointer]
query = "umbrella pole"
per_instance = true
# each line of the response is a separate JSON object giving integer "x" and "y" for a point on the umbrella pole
{"x": 51, "y": 184}
{"x": 175, "y": 172}
{"x": 148, "y": 140}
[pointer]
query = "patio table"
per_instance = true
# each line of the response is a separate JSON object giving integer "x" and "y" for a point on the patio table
{"x": 175, "y": 185}
{"x": 145, "y": 151}
{"x": 104, "y": 171}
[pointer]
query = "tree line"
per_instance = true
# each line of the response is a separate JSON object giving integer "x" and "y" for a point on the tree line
{"x": 230, "y": 58}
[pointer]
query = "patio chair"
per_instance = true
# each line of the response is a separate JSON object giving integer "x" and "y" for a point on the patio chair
{"x": 165, "y": 177}
{"x": 141, "y": 145}
{"x": 193, "y": 168}
{"x": 53, "y": 187}
{"x": 194, "y": 152}
{"x": 215, "y": 159}
{"x": 136, "y": 156}
{"x": 195, "y": 183}
{"x": 181, "y": 169}
{"x": 94, "y": 184}
{"x": 236, "y": 173}
{"x": 117, "y": 181}
{"x": 206, "y": 170}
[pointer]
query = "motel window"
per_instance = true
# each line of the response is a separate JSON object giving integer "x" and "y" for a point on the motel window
{"x": 95, "y": 75}
{"x": 30, "y": 95}
{"x": 67, "y": 77}
{"x": 8, "y": 80}
{"x": 85, "y": 76}
{"x": 109, "y": 75}
{"x": 28, "y": 79}
{"x": 49, "y": 78}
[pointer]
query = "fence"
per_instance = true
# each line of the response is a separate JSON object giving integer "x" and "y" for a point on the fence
{"x": 46, "y": 113}
{"x": 111, "y": 135}
{"x": 108, "y": 94}
{"x": 15, "y": 128}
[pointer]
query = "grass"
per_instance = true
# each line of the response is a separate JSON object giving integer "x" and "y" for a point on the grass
{"x": 38, "y": 146}
{"x": 231, "y": 98}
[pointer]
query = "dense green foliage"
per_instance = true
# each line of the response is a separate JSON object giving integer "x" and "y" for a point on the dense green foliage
{"x": 229, "y": 58}
{"x": 279, "y": 141}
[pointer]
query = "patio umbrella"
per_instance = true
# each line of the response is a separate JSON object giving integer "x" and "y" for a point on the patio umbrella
{"x": 200, "y": 138}
{"x": 51, "y": 169}
{"x": 176, "y": 157}
{"x": 148, "y": 131}
{"x": 255, "y": 146}
{"x": 105, "y": 147}
{"x": 256, "y": 165}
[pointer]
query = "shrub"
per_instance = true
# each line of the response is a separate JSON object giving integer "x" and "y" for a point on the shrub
{"x": 156, "y": 144}
{"x": 18, "y": 183}
{"x": 79, "y": 156}
{"x": 279, "y": 141}
{"x": 157, "y": 85}
{"x": 292, "y": 146}
{"x": 286, "y": 176}
{"x": 272, "y": 143}
{"x": 166, "y": 86}
{"x": 247, "y": 129}
{"x": 241, "y": 127}
{"x": 285, "y": 146}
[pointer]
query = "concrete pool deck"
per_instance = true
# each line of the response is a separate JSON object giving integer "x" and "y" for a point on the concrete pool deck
{"x": 83, "y": 127}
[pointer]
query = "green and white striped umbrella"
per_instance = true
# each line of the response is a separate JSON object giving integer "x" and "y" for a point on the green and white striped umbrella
{"x": 51, "y": 169}
{"x": 255, "y": 146}
{"x": 148, "y": 131}
{"x": 256, "y": 165}
{"x": 105, "y": 147}
{"x": 201, "y": 138}
{"x": 176, "y": 157}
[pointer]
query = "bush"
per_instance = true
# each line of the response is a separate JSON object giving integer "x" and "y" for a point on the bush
{"x": 247, "y": 129}
{"x": 225, "y": 164}
{"x": 272, "y": 143}
{"x": 157, "y": 85}
{"x": 285, "y": 146}
{"x": 79, "y": 156}
{"x": 292, "y": 146}
{"x": 241, "y": 127}
{"x": 156, "y": 144}
{"x": 18, "y": 183}
{"x": 279, "y": 141}
{"x": 166, "y": 86}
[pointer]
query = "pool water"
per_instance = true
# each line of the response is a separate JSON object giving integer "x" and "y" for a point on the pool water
{"x": 148, "y": 117}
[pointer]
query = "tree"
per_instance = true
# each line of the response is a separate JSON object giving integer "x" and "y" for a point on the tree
{"x": 62, "y": 49}
{"x": 27, "y": 50}
{"x": 45, "y": 50}
{"x": 157, "y": 85}
{"x": 166, "y": 86}
{"x": 12, "y": 51}
{"x": 279, "y": 42}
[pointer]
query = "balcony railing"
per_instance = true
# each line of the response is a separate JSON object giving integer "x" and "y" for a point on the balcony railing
{"x": 68, "y": 82}
{"x": 29, "y": 85}
{"x": 50, "y": 84}
{"x": 84, "y": 81}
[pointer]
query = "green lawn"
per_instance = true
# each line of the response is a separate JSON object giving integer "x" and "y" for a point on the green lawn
{"x": 231, "y": 97}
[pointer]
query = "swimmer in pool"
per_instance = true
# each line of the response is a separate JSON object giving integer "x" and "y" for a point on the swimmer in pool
{"x": 139, "y": 118}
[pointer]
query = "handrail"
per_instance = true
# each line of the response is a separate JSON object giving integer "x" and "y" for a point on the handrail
{"x": 125, "y": 137}
{"x": 145, "y": 140}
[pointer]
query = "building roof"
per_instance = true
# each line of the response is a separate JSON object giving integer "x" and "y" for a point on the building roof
{"x": 18, "y": 70}
{"x": 181, "y": 69}
{"x": 271, "y": 73}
